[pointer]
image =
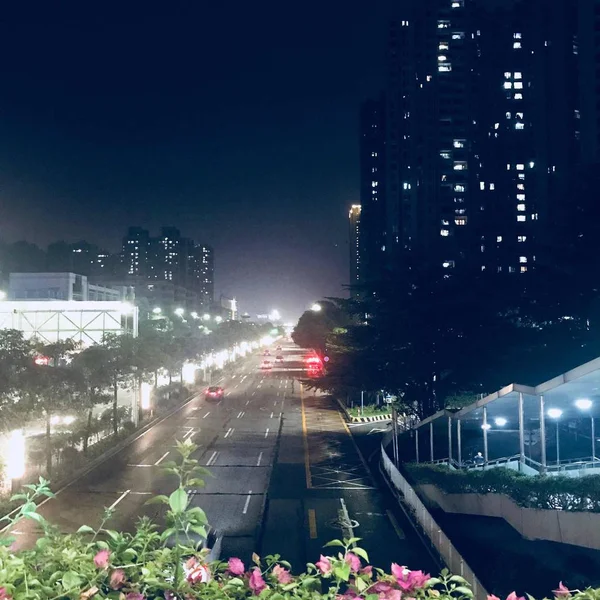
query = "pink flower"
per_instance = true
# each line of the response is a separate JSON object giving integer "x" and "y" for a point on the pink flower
{"x": 256, "y": 582}
{"x": 381, "y": 587}
{"x": 368, "y": 570}
{"x": 236, "y": 566}
{"x": 117, "y": 578}
{"x": 135, "y": 596}
{"x": 4, "y": 594}
{"x": 283, "y": 575}
{"x": 391, "y": 594}
{"x": 492, "y": 597}
{"x": 409, "y": 581}
{"x": 562, "y": 591}
{"x": 323, "y": 565}
{"x": 353, "y": 561}
{"x": 513, "y": 596}
{"x": 101, "y": 559}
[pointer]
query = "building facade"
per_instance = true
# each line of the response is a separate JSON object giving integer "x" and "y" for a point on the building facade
{"x": 483, "y": 115}
{"x": 355, "y": 254}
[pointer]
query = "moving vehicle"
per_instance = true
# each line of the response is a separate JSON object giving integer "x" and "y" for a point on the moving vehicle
{"x": 266, "y": 353}
{"x": 279, "y": 358}
{"x": 278, "y": 348}
{"x": 266, "y": 364}
{"x": 214, "y": 393}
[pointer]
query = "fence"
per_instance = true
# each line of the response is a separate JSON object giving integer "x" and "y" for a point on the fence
{"x": 439, "y": 539}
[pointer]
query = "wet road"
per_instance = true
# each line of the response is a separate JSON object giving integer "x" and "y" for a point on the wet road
{"x": 287, "y": 475}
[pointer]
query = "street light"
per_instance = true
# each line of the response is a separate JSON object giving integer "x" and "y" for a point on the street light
{"x": 316, "y": 307}
{"x": 2, "y": 295}
{"x": 218, "y": 319}
{"x": 195, "y": 315}
{"x": 586, "y": 404}
{"x": 157, "y": 310}
{"x": 179, "y": 312}
{"x": 500, "y": 421}
{"x": 555, "y": 413}
{"x": 206, "y": 317}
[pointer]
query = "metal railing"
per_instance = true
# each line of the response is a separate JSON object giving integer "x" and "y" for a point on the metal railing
{"x": 441, "y": 542}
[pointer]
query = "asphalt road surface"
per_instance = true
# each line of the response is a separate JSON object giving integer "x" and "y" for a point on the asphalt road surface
{"x": 287, "y": 474}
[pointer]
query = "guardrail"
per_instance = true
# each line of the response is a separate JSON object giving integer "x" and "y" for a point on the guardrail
{"x": 453, "y": 559}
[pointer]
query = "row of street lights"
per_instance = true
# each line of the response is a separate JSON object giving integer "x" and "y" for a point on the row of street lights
{"x": 180, "y": 312}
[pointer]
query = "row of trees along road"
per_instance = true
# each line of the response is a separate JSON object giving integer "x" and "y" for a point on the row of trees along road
{"x": 77, "y": 380}
{"x": 436, "y": 339}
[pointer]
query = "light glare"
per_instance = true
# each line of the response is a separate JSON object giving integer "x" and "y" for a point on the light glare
{"x": 554, "y": 413}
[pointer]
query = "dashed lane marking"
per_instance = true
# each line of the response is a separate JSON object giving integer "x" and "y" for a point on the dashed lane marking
{"x": 206, "y": 415}
{"x": 212, "y": 459}
{"x": 161, "y": 459}
{"x": 119, "y": 499}
{"x": 229, "y": 432}
{"x": 247, "y": 502}
{"x": 267, "y": 432}
{"x": 259, "y": 459}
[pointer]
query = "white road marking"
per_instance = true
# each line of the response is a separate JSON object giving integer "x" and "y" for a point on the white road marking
{"x": 188, "y": 434}
{"x": 130, "y": 465}
{"x": 275, "y": 403}
{"x": 271, "y": 415}
{"x": 241, "y": 414}
{"x": 247, "y": 502}
{"x": 247, "y": 402}
{"x": 229, "y": 432}
{"x": 161, "y": 458}
{"x": 259, "y": 459}
{"x": 267, "y": 432}
{"x": 212, "y": 459}
{"x": 206, "y": 415}
{"x": 118, "y": 499}
{"x": 254, "y": 392}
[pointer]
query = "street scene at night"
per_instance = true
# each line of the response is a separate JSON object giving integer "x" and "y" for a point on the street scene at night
{"x": 300, "y": 302}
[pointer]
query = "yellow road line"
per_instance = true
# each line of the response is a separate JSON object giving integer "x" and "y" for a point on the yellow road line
{"x": 395, "y": 525}
{"x": 306, "y": 450}
{"x": 312, "y": 523}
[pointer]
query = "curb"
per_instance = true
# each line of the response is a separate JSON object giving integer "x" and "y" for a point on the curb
{"x": 352, "y": 419}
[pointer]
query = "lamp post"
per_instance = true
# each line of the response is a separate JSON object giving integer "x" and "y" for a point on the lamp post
{"x": 555, "y": 413}
{"x": 585, "y": 404}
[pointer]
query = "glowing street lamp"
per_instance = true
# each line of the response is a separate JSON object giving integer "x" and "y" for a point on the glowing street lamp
{"x": 2, "y": 295}
{"x": 316, "y": 307}
{"x": 218, "y": 319}
{"x": 556, "y": 413}
{"x": 500, "y": 421}
{"x": 195, "y": 315}
{"x": 157, "y": 310}
{"x": 206, "y": 317}
{"x": 179, "y": 312}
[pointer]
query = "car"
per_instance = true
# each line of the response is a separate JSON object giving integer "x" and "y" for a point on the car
{"x": 266, "y": 364}
{"x": 278, "y": 348}
{"x": 279, "y": 358}
{"x": 266, "y": 353}
{"x": 214, "y": 392}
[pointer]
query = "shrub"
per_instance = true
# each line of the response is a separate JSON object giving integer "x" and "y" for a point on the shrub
{"x": 537, "y": 491}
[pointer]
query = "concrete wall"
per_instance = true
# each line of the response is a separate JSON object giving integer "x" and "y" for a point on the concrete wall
{"x": 577, "y": 528}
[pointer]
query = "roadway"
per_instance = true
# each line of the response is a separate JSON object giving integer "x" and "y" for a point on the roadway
{"x": 287, "y": 475}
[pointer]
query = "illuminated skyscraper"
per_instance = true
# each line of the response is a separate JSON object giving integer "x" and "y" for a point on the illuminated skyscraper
{"x": 356, "y": 276}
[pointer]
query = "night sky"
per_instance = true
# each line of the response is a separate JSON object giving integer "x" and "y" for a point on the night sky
{"x": 238, "y": 124}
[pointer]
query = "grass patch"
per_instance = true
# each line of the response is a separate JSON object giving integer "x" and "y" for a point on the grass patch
{"x": 370, "y": 410}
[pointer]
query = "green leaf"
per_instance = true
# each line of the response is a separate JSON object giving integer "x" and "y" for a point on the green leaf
{"x": 360, "y": 552}
{"x": 178, "y": 500}
{"x": 342, "y": 572}
{"x": 458, "y": 579}
{"x": 36, "y": 517}
{"x": 465, "y": 591}
{"x": 352, "y": 540}
{"x": 361, "y": 584}
{"x": 161, "y": 499}
{"x": 199, "y": 530}
{"x": 71, "y": 580}
{"x": 197, "y": 514}
{"x": 334, "y": 543}
{"x": 85, "y": 529}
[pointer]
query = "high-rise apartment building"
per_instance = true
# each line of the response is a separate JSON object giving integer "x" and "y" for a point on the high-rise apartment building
{"x": 135, "y": 253}
{"x": 483, "y": 130}
{"x": 355, "y": 254}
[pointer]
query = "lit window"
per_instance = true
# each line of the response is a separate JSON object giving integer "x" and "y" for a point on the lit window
{"x": 521, "y": 218}
{"x": 521, "y": 175}
{"x": 448, "y": 264}
{"x": 443, "y": 24}
{"x": 517, "y": 36}
{"x": 499, "y": 238}
{"x": 508, "y": 75}
{"x": 507, "y": 85}
{"x": 442, "y": 58}
{"x": 481, "y": 185}
{"x": 532, "y": 164}
{"x": 460, "y": 211}
{"x": 374, "y": 183}
{"x": 516, "y": 45}
{"x": 534, "y": 217}
{"x": 521, "y": 207}
{"x": 459, "y": 187}
{"x": 496, "y": 125}
{"x": 523, "y": 269}
{"x": 445, "y": 222}
{"x": 522, "y": 259}
{"x": 520, "y": 167}
{"x": 519, "y": 115}
{"x": 508, "y": 115}
{"x": 457, "y": 3}
{"x": 406, "y": 186}
{"x": 443, "y": 46}
{"x": 520, "y": 186}
{"x": 518, "y": 85}
{"x": 374, "y": 154}
{"x": 459, "y": 143}
{"x": 460, "y": 166}
{"x": 458, "y": 35}
{"x": 518, "y": 96}
{"x": 444, "y": 68}
{"x": 508, "y": 167}
{"x": 445, "y": 154}
{"x": 521, "y": 238}
{"x": 492, "y": 186}
{"x": 521, "y": 197}
{"x": 444, "y": 232}
{"x": 519, "y": 126}
{"x": 460, "y": 221}
{"x": 429, "y": 77}
{"x": 518, "y": 76}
